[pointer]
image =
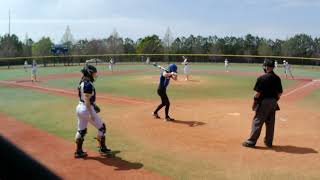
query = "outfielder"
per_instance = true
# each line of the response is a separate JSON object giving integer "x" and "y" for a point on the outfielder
{"x": 287, "y": 70}
{"x": 226, "y": 65}
{"x": 25, "y": 66}
{"x": 111, "y": 62}
{"x": 87, "y": 112}
{"x": 186, "y": 69}
{"x": 34, "y": 71}
{"x": 165, "y": 77}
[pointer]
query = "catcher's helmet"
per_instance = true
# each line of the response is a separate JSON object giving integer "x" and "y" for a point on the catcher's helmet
{"x": 88, "y": 70}
{"x": 172, "y": 68}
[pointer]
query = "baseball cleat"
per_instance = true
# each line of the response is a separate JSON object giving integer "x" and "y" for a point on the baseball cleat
{"x": 80, "y": 154}
{"x": 156, "y": 116}
{"x": 104, "y": 151}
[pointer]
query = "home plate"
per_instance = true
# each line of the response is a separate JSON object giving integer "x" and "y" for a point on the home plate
{"x": 283, "y": 119}
{"x": 234, "y": 114}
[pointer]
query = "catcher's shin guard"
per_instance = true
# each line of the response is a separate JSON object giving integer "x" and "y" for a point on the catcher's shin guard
{"x": 102, "y": 145}
{"x": 79, "y": 152}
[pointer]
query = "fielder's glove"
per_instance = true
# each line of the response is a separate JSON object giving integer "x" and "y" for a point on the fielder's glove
{"x": 96, "y": 108}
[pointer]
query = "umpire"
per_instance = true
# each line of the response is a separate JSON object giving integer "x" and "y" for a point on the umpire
{"x": 268, "y": 91}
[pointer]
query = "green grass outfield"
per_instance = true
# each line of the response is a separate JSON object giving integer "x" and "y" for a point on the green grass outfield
{"x": 135, "y": 85}
{"x": 18, "y": 72}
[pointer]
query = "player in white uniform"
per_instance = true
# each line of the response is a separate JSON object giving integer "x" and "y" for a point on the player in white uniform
{"x": 25, "y": 66}
{"x": 186, "y": 69}
{"x": 34, "y": 71}
{"x": 111, "y": 62}
{"x": 287, "y": 70}
{"x": 87, "y": 113}
{"x": 226, "y": 65}
{"x": 148, "y": 60}
{"x": 276, "y": 64}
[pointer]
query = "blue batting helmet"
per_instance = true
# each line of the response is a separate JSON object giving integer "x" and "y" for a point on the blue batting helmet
{"x": 172, "y": 68}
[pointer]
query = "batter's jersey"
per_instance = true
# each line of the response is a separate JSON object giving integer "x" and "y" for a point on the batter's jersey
{"x": 164, "y": 82}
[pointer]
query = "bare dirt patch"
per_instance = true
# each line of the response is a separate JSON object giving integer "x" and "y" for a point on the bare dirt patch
{"x": 57, "y": 155}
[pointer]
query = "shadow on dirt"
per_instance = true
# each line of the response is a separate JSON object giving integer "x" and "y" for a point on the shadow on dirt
{"x": 118, "y": 162}
{"x": 290, "y": 149}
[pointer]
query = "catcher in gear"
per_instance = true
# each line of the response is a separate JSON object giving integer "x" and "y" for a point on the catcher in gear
{"x": 87, "y": 113}
{"x": 165, "y": 77}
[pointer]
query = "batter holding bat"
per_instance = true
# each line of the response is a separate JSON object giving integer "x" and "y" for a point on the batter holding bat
{"x": 165, "y": 76}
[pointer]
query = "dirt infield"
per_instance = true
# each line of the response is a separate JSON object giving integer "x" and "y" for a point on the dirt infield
{"x": 55, "y": 153}
{"x": 210, "y": 131}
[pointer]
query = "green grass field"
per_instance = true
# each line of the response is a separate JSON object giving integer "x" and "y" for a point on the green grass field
{"x": 56, "y": 114}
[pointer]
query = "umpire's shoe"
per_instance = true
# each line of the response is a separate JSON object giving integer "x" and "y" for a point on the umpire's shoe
{"x": 169, "y": 119}
{"x": 269, "y": 145}
{"x": 248, "y": 144}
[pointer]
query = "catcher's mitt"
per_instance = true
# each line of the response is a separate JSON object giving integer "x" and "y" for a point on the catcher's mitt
{"x": 96, "y": 108}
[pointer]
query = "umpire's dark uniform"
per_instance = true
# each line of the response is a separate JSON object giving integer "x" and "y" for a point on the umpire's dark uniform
{"x": 269, "y": 88}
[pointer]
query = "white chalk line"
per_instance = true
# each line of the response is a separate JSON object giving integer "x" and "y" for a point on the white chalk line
{"x": 299, "y": 88}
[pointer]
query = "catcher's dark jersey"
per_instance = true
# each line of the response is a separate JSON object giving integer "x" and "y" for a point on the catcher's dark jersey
{"x": 87, "y": 87}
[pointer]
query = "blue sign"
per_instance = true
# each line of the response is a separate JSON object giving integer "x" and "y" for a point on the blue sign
{"x": 59, "y": 49}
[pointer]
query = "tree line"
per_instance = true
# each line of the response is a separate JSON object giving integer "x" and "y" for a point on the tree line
{"x": 300, "y": 45}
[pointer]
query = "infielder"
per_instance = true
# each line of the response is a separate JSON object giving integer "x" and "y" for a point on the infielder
{"x": 34, "y": 71}
{"x": 87, "y": 112}
{"x": 226, "y": 65}
{"x": 165, "y": 77}
{"x": 287, "y": 70}
{"x": 186, "y": 69}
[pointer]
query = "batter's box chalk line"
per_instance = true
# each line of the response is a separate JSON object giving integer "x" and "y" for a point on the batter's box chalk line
{"x": 234, "y": 114}
{"x": 283, "y": 119}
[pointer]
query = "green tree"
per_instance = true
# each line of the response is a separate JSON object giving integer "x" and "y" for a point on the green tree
{"x": 42, "y": 47}
{"x": 265, "y": 47}
{"x": 10, "y": 46}
{"x": 299, "y": 45}
{"x": 129, "y": 46}
{"x": 114, "y": 43}
{"x": 149, "y": 45}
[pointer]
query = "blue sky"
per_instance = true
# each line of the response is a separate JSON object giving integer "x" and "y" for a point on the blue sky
{"x": 138, "y": 18}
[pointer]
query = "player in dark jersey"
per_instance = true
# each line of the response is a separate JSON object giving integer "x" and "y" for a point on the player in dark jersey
{"x": 165, "y": 77}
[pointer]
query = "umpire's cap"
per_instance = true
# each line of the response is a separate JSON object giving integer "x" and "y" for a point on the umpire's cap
{"x": 269, "y": 63}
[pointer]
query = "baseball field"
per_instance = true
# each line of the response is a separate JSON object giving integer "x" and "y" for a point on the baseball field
{"x": 213, "y": 117}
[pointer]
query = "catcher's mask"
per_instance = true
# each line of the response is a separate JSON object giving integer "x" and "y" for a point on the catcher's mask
{"x": 88, "y": 71}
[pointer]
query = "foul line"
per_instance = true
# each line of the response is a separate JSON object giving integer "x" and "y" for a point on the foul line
{"x": 299, "y": 88}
